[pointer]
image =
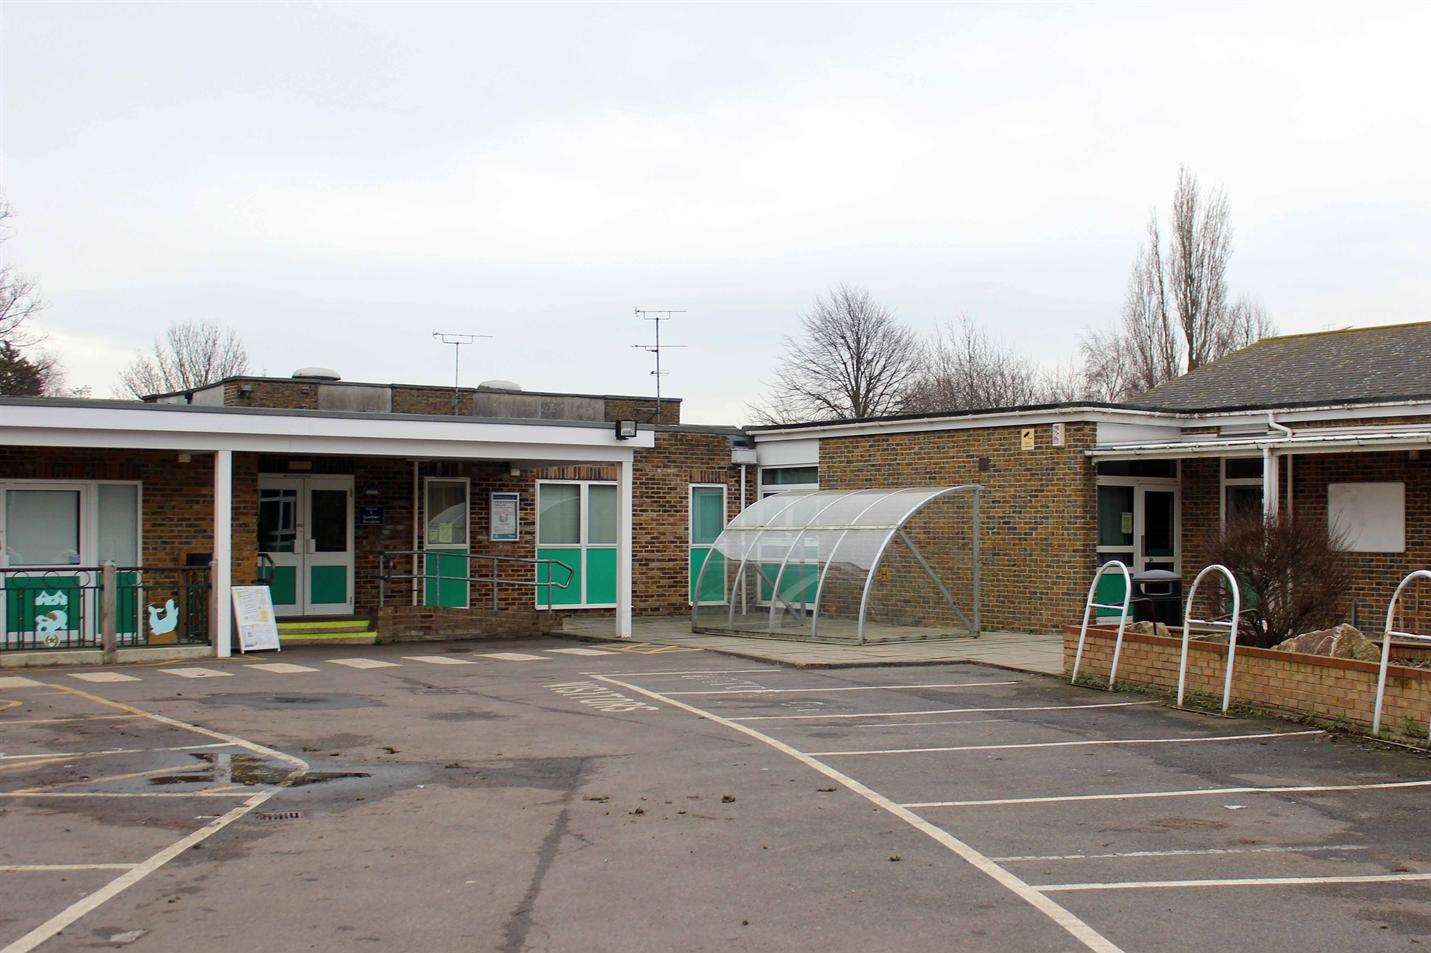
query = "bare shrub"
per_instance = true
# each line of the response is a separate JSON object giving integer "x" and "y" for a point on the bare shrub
{"x": 1294, "y": 575}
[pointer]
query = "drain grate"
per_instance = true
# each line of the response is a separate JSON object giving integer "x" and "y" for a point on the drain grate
{"x": 279, "y": 815}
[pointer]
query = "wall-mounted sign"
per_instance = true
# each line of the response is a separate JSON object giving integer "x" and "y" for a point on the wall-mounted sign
{"x": 505, "y": 528}
{"x": 253, "y": 614}
{"x": 1055, "y": 435}
{"x": 1026, "y": 438}
{"x": 370, "y": 516}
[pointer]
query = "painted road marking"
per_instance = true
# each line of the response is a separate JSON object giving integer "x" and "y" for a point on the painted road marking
{"x": 1081, "y": 931}
{"x": 363, "y": 663}
{"x": 65, "y": 721}
{"x": 108, "y": 751}
{"x": 939, "y": 711}
{"x": 599, "y": 697}
{"x": 281, "y": 668}
{"x": 646, "y": 648}
{"x": 196, "y": 672}
{"x": 18, "y": 681}
{"x": 58, "y": 868}
{"x": 158, "y": 794}
{"x": 439, "y": 660}
{"x": 1072, "y": 744}
{"x": 700, "y": 671}
{"x": 578, "y": 651}
{"x": 103, "y": 677}
{"x": 514, "y": 657}
{"x": 1300, "y": 789}
{"x": 1244, "y": 882}
{"x": 1270, "y": 849}
{"x": 842, "y": 688}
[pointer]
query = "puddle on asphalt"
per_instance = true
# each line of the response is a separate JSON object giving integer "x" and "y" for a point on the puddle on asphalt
{"x": 248, "y": 770}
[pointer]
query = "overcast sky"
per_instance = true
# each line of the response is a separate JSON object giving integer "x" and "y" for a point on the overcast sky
{"x": 338, "y": 181}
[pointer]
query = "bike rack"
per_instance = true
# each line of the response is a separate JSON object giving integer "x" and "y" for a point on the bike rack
{"x": 1231, "y": 624}
{"x": 1090, "y": 605}
{"x": 1386, "y": 645}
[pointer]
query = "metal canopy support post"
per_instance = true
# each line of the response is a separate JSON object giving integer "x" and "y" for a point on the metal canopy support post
{"x": 775, "y": 598}
{"x": 933, "y": 577}
{"x": 223, "y": 541}
{"x": 623, "y": 549}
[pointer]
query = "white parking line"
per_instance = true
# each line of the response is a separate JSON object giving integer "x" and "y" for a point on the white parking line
{"x": 101, "y": 677}
{"x": 281, "y": 668}
{"x": 108, "y": 751}
{"x": 58, "y": 868}
{"x": 112, "y": 794}
{"x": 363, "y": 663}
{"x": 1072, "y": 744}
{"x": 1233, "y": 882}
{"x": 439, "y": 660}
{"x": 940, "y": 711}
{"x": 1271, "y": 849}
{"x": 1081, "y": 931}
{"x": 196, "y": 672}
{"x": 701, "y": 671}
{"x": 1300, "y": 789}
{"x": 514, "y": 657}
{"x": 579, "y": 651}
{"x": 17, "y": 681}
{"x": 841, "y": 688}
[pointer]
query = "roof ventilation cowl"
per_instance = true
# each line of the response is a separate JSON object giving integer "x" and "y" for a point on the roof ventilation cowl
{"x": 316, "y": 374}
{"x": 498, "y": 384}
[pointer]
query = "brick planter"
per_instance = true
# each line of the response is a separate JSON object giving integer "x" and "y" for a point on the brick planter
{"x": 438, "y": 624}
{"x": 1315, "y": 685}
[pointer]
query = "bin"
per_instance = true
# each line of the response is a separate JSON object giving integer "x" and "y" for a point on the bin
{"x": 1158, "y": 597}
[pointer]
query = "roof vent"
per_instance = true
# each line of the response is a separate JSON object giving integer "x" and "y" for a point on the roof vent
{"x": 499, "y": 385}
{"x": 317, "y": 374}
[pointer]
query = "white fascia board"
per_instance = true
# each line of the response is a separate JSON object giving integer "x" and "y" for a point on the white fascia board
{"x": 1008, "y": 418}
{"x": 70, "y": 426}
{"x": 1249, "y": 446}
{"x": 1292, "y": 415}
{"x": 788, "y": 453}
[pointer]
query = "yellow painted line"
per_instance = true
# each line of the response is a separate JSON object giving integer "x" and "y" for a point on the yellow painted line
{"x": 58, "y": 868}
{"x": 7, "y": 705}
{"x": 18, "y": 681}
{"x": 66, "y": 721}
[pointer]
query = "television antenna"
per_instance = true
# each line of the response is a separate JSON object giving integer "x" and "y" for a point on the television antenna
{"x": 656, "y": 317}
{"x": 457, "y": 340}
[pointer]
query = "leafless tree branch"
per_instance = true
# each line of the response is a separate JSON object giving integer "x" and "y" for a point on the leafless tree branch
{"x": 190, "y": 354}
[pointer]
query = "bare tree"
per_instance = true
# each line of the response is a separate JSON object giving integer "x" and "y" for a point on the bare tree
{"x": 853, "y": 358}
{"x": 1176, "y": 315}
{"x": 19, "y": 297}
{"x": 966, "y": 370}
{"x": 189, "y": 354}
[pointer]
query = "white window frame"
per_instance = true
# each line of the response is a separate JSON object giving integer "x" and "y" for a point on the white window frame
{"x": 762, "y": 490}
{"x": 428, "y": 547}
{"x": 1173, "y": 483}
{"x": 1224, "y": 482}
{"x": 581, "y": 547}
{"x": 691, "y": 532}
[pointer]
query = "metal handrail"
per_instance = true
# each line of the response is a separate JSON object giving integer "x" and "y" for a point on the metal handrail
{"x": 1090, "y": 605}
{"x": 1232, "y": 625}
{"x": 1387, "y": 633}
{"x": 385, "y": 575}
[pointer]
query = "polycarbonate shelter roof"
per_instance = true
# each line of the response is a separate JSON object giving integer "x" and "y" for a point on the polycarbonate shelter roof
{"x": 779, "y": 556}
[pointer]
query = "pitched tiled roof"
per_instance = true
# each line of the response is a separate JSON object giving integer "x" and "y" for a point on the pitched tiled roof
{"x": 1355, "y": 364}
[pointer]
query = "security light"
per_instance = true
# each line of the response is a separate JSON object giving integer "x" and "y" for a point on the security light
{"x": 625, "y": 429}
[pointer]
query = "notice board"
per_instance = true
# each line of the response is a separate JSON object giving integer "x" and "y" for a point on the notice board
{"x": 253, "y": 615}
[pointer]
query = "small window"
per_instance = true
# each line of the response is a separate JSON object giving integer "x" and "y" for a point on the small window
{"x": 1244, "y": 468}
{"x": 1153, "y": 469}
{"x": 446, "y": 512}
{"x": 789, "y": 476}
{"x": 707, "y": 514}
{"x": 119, "y": 523}
{"x": 601, "y": 515}
{"x": 559, "y": 514}
{"x": 1115, "y": 516}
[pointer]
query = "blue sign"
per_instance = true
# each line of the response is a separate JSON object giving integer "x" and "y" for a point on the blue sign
{"x": 370, "y": 516}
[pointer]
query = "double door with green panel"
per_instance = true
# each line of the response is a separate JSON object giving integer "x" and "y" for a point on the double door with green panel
{"x": 576, "y": 528}
{"x": 305, "y": 525}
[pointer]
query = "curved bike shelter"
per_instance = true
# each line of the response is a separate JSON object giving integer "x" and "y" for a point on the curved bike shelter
{"x": 846, "y": 566}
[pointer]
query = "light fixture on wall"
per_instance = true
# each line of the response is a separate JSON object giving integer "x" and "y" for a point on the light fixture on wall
{"x": 625, "y": 429}
{"x": 185, "y": 457}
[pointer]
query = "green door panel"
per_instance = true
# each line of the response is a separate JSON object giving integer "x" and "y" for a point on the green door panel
{"x": 45, "y": 605}
{"x": 446, "y": 583}
{"x": 328, "y": 585}
{"x": 283, "y": 587}
{"x": 571, "y": 595}
{"x": 601, "y": 576}
{"x": 713, "y": 584}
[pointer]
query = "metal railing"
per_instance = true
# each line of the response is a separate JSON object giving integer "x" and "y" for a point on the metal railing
{"x": 1231, "y": 623}
{"x": 435, "y": 561}
{"x": 1090, "y": 605}
{"x": 106, "y": 607}
{"x": 1387, "y": 633}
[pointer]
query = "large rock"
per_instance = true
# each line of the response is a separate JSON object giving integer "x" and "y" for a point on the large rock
{"x": 1148, "y": 628}
{"x": 1342, "y": 641}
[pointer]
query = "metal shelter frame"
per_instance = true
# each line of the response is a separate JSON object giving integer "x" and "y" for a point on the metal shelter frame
{"x": 817, "y": 529}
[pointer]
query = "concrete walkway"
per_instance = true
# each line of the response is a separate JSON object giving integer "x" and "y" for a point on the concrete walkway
{"x": 1015, "y": 650}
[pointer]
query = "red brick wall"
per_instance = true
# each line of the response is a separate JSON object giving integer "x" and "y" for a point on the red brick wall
{"x": 1038, "y": 509}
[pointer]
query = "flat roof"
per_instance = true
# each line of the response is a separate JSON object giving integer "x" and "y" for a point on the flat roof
{"x": 342, "y": 383}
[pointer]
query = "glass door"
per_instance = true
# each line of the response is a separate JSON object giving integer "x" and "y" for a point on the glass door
{"x": 1158, "y": 529}
{"x": 448, "y": 510}
{"x": 280, "y": 523}
{"x": 328, "y": 562}
{"x": 42, "y": 533}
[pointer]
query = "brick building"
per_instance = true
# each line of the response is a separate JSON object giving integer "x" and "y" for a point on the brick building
{"x": 398, "y": 502}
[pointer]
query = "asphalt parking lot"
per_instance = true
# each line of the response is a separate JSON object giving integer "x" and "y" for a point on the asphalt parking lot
{"x": 553, "y": 796}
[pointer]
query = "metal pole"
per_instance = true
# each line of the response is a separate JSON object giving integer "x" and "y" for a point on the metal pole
{"x": 975, "y": 556}
{"x": 108, "y": 627}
